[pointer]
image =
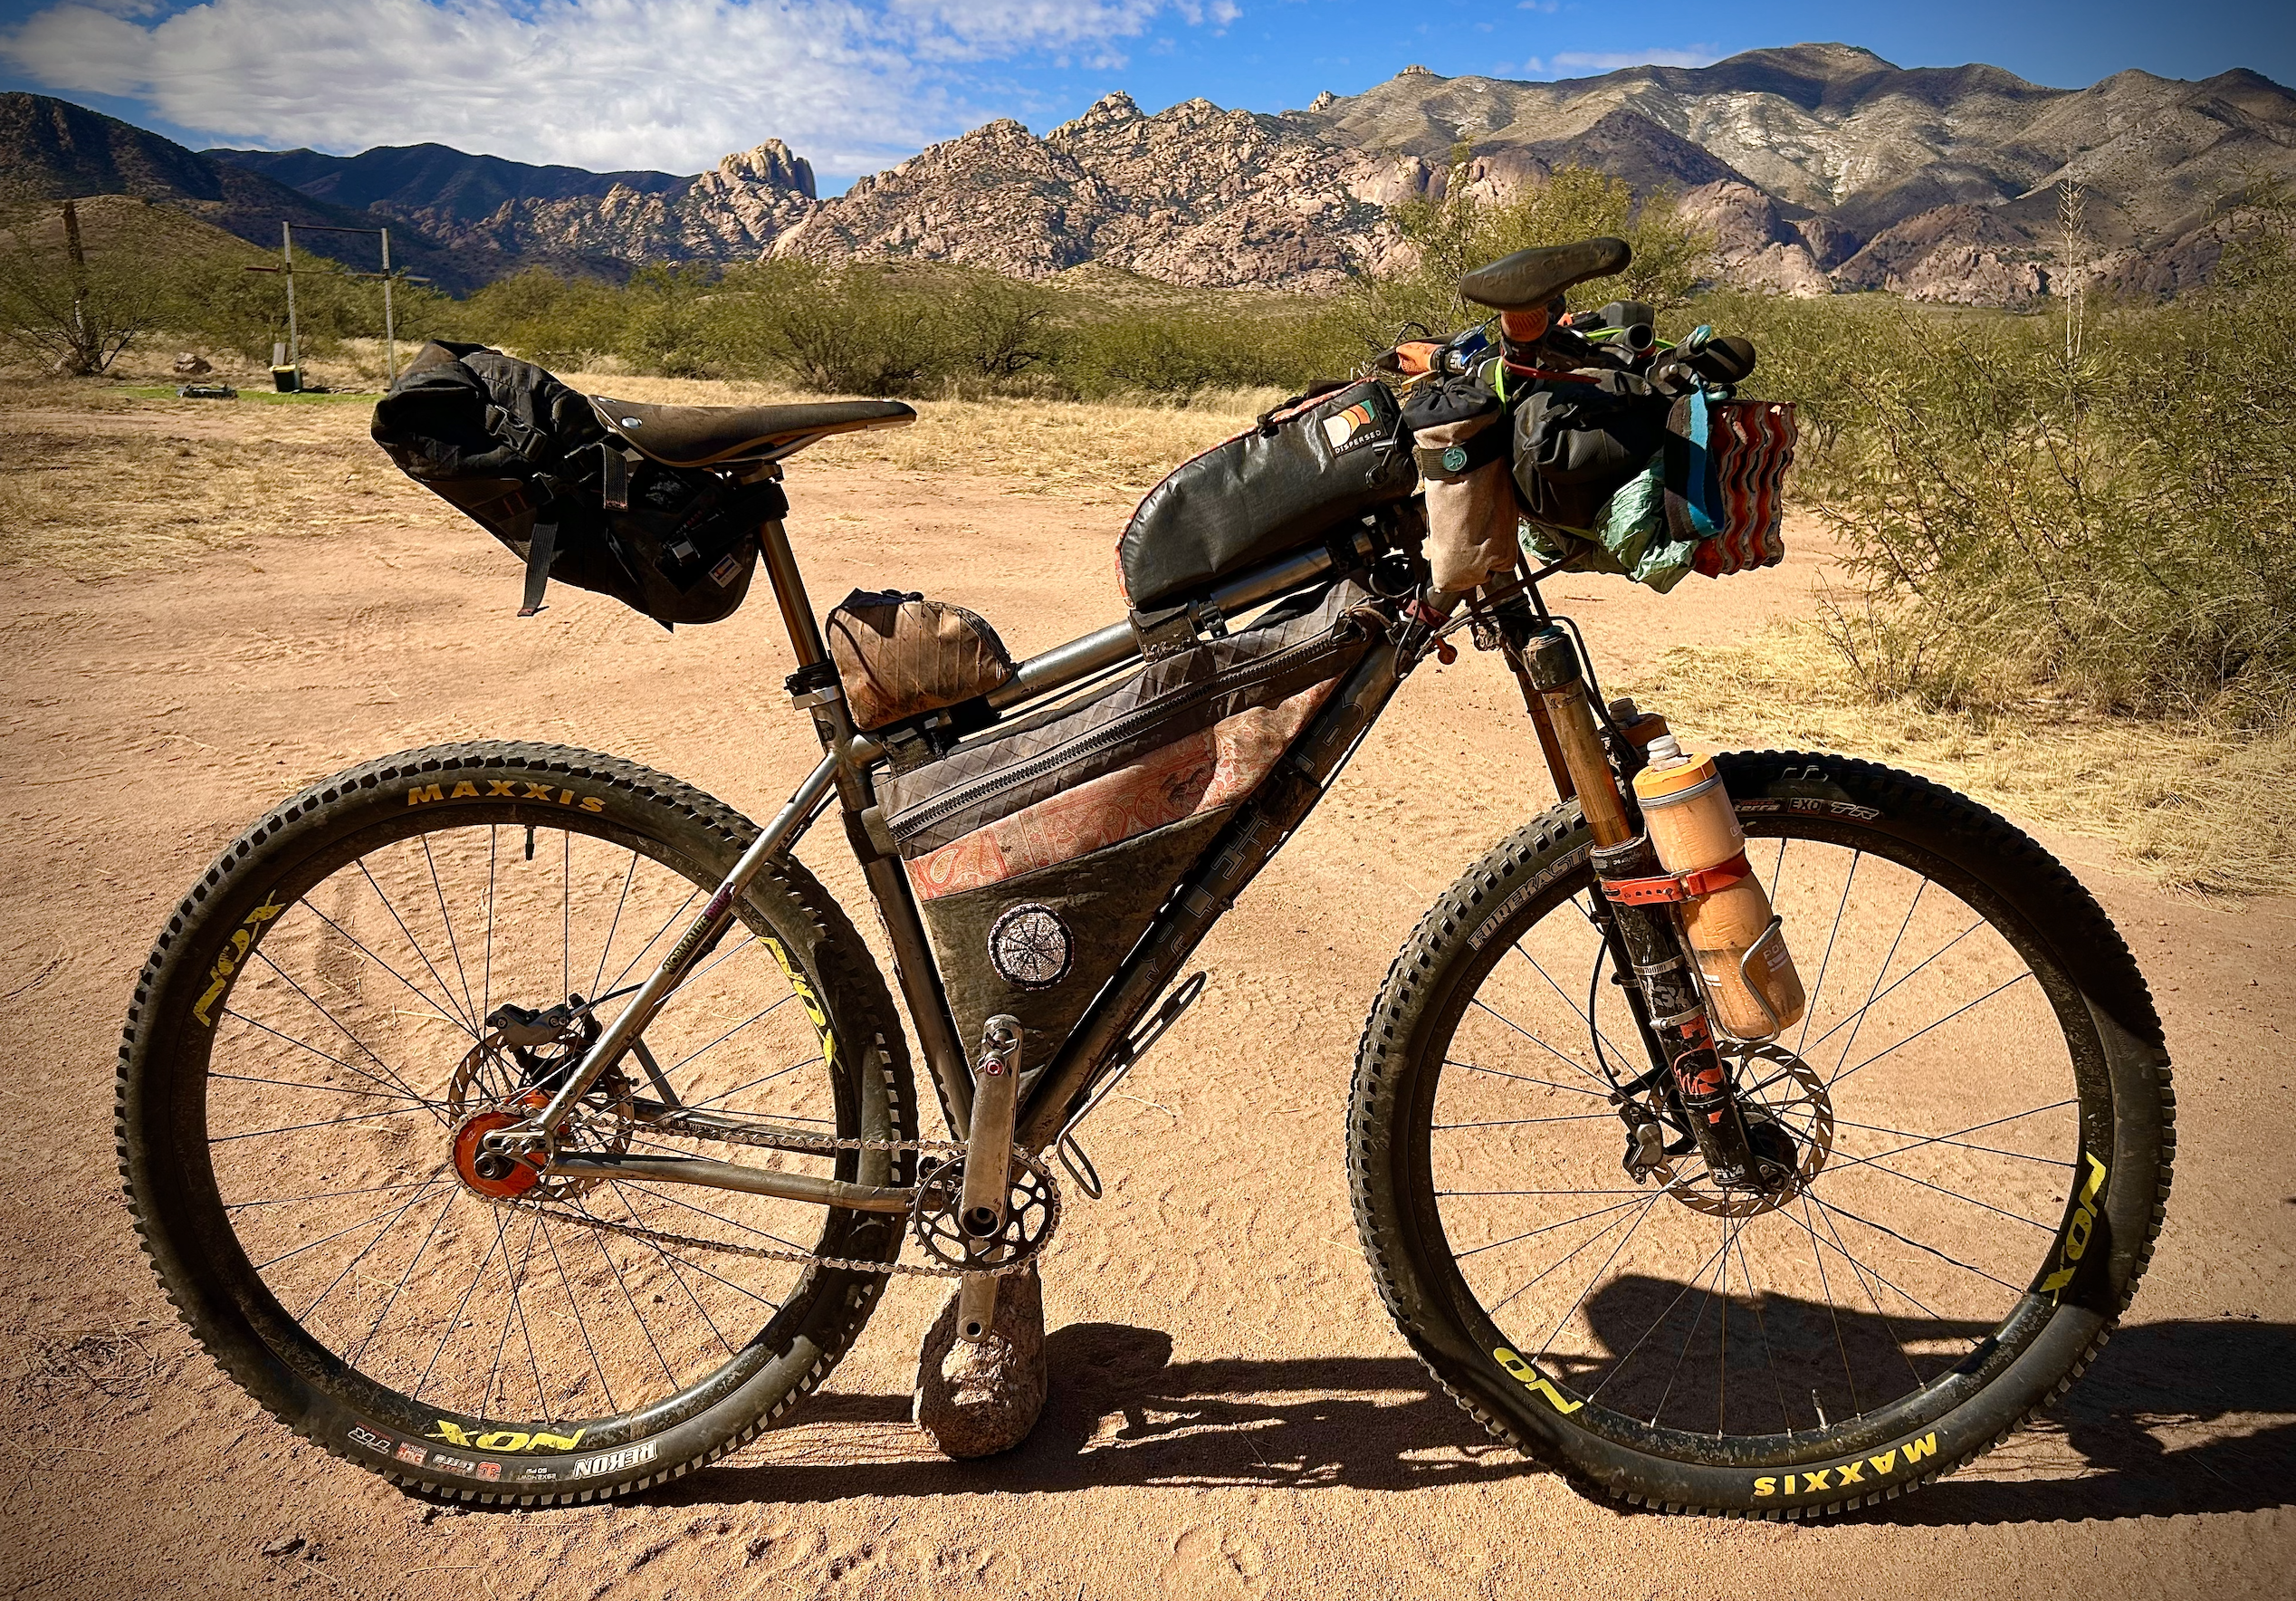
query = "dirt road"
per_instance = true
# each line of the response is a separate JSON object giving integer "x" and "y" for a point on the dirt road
{"x": 1233, "y": 1415}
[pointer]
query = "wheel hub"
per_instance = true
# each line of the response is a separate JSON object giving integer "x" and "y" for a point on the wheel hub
{"x": 508, "y": 1077}
{"x": 1789, "y": 1124}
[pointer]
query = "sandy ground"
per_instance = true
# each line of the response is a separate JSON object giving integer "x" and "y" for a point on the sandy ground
{"x": 1233, "y": 1415}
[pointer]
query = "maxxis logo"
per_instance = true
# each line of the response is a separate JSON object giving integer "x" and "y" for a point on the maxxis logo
{"x": 1858, "y": 1475}
{"x": 504, "y": 789}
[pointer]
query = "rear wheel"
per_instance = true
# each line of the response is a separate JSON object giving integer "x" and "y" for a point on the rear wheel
{"x": 1976, "y": 1112}
{"x": 405, "y": 956}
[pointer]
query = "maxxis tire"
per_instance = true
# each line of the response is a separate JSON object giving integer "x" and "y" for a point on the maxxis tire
{"x": 815, "y": 1327}
{"x": 2006, "y": 866}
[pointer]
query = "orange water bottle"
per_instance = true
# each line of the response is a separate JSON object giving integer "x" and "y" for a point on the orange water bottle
{"x": 1736, "y": 942}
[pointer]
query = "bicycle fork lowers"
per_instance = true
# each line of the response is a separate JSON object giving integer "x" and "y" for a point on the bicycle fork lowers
{"x": 1655, "y": 963}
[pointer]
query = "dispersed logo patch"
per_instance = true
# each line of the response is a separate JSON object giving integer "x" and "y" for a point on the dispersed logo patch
{"x": 1346, "y": 429}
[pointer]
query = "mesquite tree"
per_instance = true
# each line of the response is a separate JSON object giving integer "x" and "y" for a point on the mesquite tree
{"x": 79, "y": 312}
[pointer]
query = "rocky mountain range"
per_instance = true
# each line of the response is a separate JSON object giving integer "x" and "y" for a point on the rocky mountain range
{"x": 1817, "y": 169}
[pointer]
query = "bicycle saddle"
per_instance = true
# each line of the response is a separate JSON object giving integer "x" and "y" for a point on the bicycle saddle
{"x": 1530, "y": 279}
{"x": 698, "y": 436}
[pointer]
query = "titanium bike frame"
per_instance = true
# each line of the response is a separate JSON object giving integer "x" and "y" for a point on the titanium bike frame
{"x": 1109, "y": 1035}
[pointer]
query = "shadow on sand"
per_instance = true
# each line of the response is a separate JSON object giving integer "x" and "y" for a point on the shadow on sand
{"x": 2223, "y": 1395}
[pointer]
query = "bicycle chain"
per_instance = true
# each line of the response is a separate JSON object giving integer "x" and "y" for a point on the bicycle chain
{"x": 823, "y": 1144}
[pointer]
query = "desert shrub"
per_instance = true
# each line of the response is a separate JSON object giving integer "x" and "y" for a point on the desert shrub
{"x": 74, "y": 307}
{"x": 1459, "y": 231}
{"x": 2088, "y": 505}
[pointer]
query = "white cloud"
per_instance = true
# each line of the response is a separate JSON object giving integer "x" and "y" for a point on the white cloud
{"x": 1580, "y": 60}
{"x": 851, "y": 84}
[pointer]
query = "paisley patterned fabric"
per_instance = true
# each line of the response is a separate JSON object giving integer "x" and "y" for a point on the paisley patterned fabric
{"x": 1214, "y": 768}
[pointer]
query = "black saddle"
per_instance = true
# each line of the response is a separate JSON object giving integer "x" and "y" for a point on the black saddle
{"x": 699, "y": 436}
{"x": 1529, "y": 280}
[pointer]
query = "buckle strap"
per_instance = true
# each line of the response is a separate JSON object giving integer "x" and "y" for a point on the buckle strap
{"x": 1678, "y": 887}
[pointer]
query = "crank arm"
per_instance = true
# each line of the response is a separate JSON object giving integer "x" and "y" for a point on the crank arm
{"x": 714, "y": 1174}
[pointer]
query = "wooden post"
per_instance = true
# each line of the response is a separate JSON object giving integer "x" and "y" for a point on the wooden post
{"x": 390, "y": 328}
{"x": 294, "y": 341}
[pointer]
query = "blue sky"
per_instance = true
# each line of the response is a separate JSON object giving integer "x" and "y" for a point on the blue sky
{"x": 857, "y": 84}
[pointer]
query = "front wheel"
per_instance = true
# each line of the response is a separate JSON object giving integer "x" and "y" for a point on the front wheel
{"x": 1976, "y": 1108}
{"x": 412, "y": 953}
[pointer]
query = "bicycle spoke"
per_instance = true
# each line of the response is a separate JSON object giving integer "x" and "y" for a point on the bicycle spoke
{"x": 1810, "y": 1008}
{"x": 1546, "y": 1229}
{"x": 453, "y": 945}
{"x": 1520, "y": 1079}
{"x": 1577, "y": 1066}
{"x": 1875, "y": 1163}
{"x": 468, "y": 1025}
{"x": 380, "y": 1235}
{"x": 629, "y": 877}
{"x": 1940, "y": 1023}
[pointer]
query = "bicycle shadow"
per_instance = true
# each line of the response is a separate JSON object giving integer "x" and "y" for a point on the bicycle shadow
{"x": 1123, "y": 1412}
{"x": 2184, "y": 1417}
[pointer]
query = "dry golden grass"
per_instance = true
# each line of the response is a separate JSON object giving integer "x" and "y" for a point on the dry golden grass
{"x": 95, "y": 479}
{"x": 2181, "y": 801}
{"x": 1101, "y": 453}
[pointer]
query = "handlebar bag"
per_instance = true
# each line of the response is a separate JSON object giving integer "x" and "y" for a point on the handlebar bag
{"x": 902, "y": 656}
{"x": 1459, "y": 436}
{"x": 1578, "y": 441}
{"x": 1279, "y": 486}
{"x": 1040, "y": 850}
{"x": 525, "y": 457}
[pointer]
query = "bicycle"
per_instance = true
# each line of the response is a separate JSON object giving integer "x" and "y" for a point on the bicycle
{"x": 414, "y": 1086}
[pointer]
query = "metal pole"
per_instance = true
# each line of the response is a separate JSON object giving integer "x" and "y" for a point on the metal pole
{"x": 390, "y": 329}
{"x": 294, "y": 341}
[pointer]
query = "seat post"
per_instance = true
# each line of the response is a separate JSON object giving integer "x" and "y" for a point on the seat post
{"x": 789, "y": 591}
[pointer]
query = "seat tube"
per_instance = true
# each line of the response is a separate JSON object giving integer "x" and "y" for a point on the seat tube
{"x": 913, "y": 965}
{"x": 789, "y": 593}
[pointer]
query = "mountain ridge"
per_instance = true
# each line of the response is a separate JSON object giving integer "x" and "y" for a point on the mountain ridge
{"x": 1817, "y": 166}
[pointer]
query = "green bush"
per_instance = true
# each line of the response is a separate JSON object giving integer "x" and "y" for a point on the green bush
{"x": 2095, "y": 505}
{"x": 1453, "y": 235}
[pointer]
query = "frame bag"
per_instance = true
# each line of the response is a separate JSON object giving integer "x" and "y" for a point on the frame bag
{"x": 526, "y": 458}
{"x": 902, "y": 656}
{"x": 1039, "y": 853}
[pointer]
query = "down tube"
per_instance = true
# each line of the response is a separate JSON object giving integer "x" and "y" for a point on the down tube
{"x": 1233, "y": 860}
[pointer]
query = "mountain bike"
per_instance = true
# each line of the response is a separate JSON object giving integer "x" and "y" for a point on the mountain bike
{"x": 527, "y": 1126}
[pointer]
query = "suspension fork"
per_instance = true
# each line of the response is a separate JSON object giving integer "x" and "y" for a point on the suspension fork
{"x": 1669, "y": 1008}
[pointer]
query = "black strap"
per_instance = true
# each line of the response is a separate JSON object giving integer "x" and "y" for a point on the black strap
{"x": 539, "y": 550}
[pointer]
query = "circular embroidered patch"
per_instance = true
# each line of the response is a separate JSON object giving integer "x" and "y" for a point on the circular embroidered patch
{"x": 1455, "y": 458}
{"x": 1030, "y": 947}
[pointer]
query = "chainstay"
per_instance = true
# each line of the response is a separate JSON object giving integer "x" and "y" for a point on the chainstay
{"x": 820, "y": 1143}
